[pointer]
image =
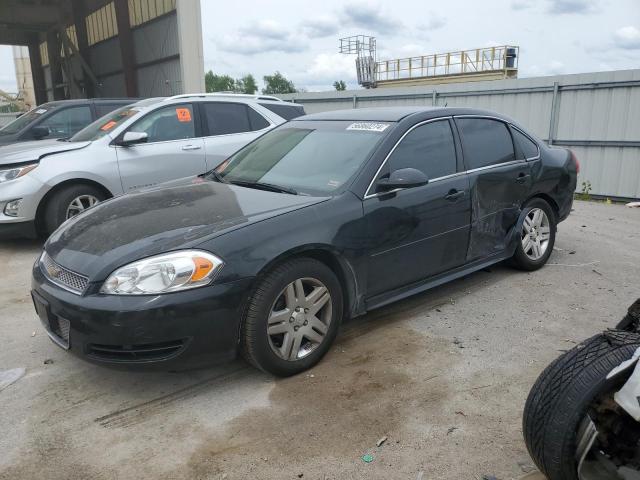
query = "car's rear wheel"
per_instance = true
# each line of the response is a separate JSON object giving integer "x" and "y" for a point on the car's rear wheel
{"x": 69, "y": 202}
{"x": 536, "y": 237}
{"x": 292, "y": 317}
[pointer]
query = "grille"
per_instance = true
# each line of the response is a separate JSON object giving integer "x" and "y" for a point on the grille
{"x": 62, "y": 276}
{"x": 135, "y": 353}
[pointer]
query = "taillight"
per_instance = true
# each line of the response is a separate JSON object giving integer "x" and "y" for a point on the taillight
{"x": 575, "y": 160}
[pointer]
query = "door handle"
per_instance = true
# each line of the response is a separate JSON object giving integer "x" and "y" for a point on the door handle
{"x": 191, "y": 147}
{"x": 523, "y": 177}
{"x": 454, "y": 195}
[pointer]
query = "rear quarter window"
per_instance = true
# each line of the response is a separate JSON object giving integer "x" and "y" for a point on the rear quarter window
{"x": 288, "y": 112}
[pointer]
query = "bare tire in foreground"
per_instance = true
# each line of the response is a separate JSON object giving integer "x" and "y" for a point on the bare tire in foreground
{"x": 292, "y": 317}
{"x": 536, "y": 237}
{"x": 68, "y": 202}
{"x": 572, "y": 395}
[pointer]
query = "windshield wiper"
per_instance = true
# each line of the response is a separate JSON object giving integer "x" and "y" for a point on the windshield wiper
{"x": 215, "y": 176}
{"x": 265, "y": 186}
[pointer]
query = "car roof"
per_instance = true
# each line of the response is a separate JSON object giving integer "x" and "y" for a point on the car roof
{"x": 86, "y": 101}
{"x": 393, "y": 114}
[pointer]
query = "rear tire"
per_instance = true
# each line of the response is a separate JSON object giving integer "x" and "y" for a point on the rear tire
{"x": 561, "y": 397}
{"x": 536, "y": 237}
{"x": 68, "y": 202}
{"x": 282, "y": 332}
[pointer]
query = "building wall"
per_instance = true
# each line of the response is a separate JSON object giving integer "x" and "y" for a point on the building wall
{"x": 597, "y": 115}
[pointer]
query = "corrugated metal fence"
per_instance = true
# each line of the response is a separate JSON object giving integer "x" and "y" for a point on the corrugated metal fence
{"x": 597, "y": 115}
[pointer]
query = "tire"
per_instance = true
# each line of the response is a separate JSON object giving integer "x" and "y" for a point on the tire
{"x": 264, "y": 350}
{"x": 561, "y": 397}
{"x": 55, "y": 211}
{"x": 522, "y": 259}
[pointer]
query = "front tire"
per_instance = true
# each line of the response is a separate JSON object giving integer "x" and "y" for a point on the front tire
{"x": 565, "y": 394}
{"x": 536, "y": 237}
{"x": 292, "y": 317}
{"x": 68, "y": 202}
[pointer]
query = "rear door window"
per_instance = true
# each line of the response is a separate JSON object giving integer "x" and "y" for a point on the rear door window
{"x": 227, "y": 118}
{"x": 485, "y": 142}
{"x": 528, "y": 148}
{"x": 285, "y": 111}
{"x": 428, "y": 148}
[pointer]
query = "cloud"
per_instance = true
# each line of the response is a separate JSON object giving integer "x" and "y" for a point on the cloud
{"x": 572, "y": 6}
{"x": 435, "y": 21}
{"x": 412, "y": 50}
{"x": 260, "y": 37}
{"x": 627, "y": 38}
{"x": 521, "y": 4}
{"x": 333, "y": 66}
{"x": 370, "y": 17}
{"x": 319, "y": 27}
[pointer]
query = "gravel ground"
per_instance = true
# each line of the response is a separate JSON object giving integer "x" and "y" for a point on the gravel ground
{"x": 443, "y": 376}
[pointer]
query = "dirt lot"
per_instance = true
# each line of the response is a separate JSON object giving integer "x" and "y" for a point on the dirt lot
{"x": 443, "y": 375}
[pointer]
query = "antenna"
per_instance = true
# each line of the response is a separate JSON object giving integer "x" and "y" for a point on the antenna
{"x": 364, "y": 47}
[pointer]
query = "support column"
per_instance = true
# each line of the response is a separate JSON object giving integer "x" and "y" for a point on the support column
{"x": 39, "y": 85}
{"x": 79, "y": 14}
{"x": 55, "y": 67}
{"x": 126, "y": 47}
{"x": 189, "y": 21}
{"x": 553, "y": 120}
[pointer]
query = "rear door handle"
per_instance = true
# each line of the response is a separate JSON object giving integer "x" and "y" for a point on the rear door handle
{"x": 454, "y": 195}
{"x": 523, "y": 177}
{"x": 191, "y": 147}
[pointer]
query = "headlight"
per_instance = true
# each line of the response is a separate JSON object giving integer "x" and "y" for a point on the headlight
{"x": 15, "y": 172}
{"x": 164, "y": 273}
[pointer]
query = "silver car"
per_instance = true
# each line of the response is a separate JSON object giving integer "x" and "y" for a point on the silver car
{"x": 156, "y": 140}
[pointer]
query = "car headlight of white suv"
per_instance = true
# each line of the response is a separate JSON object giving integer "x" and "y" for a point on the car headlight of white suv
{"x": 16, "y": 172}
{"x": 164, "y": 273}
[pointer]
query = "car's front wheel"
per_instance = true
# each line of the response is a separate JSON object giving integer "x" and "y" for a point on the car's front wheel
{"x": 68, "y": 202}
{"x": 292, "y": 317}
{"x": 536, "y": 237}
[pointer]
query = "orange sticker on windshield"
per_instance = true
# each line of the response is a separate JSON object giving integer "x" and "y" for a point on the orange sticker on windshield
{"x": 108, "y": 126}
{"x": 184, "y": 114}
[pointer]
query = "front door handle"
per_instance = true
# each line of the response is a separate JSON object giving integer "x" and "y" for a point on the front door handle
{"x": 454, "y": 195}
{"x": 523, "y": 177}
{"x": 191, "y": 147}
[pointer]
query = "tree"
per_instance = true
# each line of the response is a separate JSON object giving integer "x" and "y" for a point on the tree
{"x": 277, "y": 83}
{"x": 247, "y": 84}
{"x": 218, "y": 83}
{"x": 339, "y": 85}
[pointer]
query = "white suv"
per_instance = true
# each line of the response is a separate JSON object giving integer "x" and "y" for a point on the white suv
{"x": 152, "y": 141}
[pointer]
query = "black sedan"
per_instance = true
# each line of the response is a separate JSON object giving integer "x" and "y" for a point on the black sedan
{"x": 324, "y": 218}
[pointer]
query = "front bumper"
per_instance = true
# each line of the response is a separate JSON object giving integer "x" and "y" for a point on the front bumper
{"x": 18, "y": 230}
{"x": 198, "y": 326}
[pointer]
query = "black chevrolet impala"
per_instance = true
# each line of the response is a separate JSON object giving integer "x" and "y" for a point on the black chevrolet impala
{"x": 324, "y": 218}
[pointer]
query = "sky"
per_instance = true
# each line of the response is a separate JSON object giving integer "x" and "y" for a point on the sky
{"x": 300, "y": 39}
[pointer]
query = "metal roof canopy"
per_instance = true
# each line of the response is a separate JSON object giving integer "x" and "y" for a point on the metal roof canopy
{"x": 57, "y": 31}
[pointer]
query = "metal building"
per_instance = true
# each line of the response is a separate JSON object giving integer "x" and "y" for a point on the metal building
{"x": 597, "y": 115}
{"x": 107, "y": 48}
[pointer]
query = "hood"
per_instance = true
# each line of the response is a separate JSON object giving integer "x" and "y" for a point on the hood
{"x": 34, "y": 150}
{"x": 135, "y": 226}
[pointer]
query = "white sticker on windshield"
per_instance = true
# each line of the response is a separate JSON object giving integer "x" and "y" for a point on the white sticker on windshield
{"x": 41, "y": 110}
{"x": 368, "y": 126}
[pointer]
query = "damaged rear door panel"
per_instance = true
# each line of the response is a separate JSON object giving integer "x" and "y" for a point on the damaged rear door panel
{"x": 499, "y": 181}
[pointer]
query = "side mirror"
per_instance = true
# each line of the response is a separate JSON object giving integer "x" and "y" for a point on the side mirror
{"x": 39, "y": 132}
{"x": 402, "y": 178}
{"x": 133, "y": 138}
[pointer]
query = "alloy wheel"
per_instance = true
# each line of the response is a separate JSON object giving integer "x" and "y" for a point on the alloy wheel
{"x": 299, "y": 319}
{"x": 536, "y": 233}
{"x": 80, "y": 204}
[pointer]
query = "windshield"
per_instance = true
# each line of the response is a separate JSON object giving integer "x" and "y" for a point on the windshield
{"x": 24, "y": 120}
{"x": 308, "y": 157}
{"x": 104, "y": 125}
